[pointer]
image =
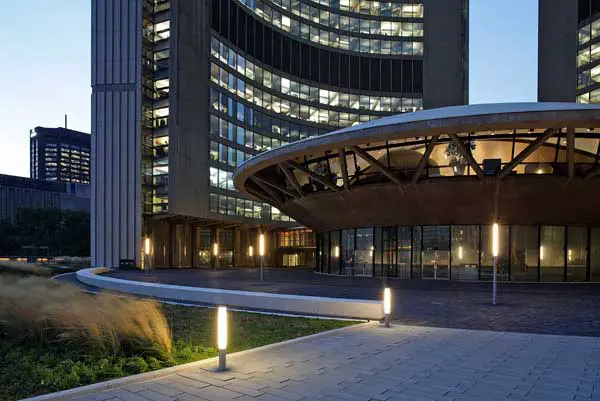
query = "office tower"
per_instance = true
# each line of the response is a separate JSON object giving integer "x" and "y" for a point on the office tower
{"x": 183, "y": 92}
{"x": 59, "y": 154}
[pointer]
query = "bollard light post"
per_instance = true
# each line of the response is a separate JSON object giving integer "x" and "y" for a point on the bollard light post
{"x": 147, "y": 250}
{"x": 222, "y": 337}
{"x": 387, "y": 306}
{"x": 216, "y": 254}
{"x": 495, "y": 246}
{"x": 261, "y": 252}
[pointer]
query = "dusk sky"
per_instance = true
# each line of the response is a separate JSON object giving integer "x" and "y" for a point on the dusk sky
{"x": 45, "y": 68}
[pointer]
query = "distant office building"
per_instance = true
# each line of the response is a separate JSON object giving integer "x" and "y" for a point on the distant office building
{"x": 22, "y": 192}
{"x": 569, "y": 51}
{"x": 183, "y": 92}
{"x": 59, "y": 154}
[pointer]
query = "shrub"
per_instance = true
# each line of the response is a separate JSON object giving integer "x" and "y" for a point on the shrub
{"x": 24, "y": 269}
{"x": 45, "y": 311}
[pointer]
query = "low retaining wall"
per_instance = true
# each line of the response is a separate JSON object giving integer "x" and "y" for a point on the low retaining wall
{"x": 322, "y": 306}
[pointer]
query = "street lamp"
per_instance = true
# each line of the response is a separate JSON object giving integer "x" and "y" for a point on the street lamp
{"x": 216, "y": 253}
{"x": 222, "y": 337}
{"x": 495, "y": 246}
{"x": 387, "y": 306}
{"x": 261, "y": 252}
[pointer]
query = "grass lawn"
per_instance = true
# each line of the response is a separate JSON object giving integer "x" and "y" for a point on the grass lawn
{"x": 28, "y": 369}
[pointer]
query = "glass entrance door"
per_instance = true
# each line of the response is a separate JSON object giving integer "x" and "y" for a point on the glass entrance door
{"x": 435, "y": 259}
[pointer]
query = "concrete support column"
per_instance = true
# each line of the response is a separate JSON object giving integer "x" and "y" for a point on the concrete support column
{"x": 116, "y": 222}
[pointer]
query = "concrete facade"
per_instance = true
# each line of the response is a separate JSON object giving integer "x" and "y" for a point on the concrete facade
{"x": 299, "y": 304}
{"x": 20, "y": 192}
{"x": 116, "y": 140}
{"x": 557, "y": 51}
{"x": 447, "y": 44}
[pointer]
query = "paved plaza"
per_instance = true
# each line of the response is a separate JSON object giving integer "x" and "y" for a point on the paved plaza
{"x": 369, "y": 362}
{"x": 564, "y": 309}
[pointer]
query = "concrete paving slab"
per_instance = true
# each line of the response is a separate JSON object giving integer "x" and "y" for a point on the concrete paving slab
{"x": 433, "y": 364}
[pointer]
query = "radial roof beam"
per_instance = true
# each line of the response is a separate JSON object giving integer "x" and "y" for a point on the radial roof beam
{"x": 377, "y": 165}
{"x": 323, "y": 180}
{"x": 571, "y": 152}
{"x": 274, "y": 195}
{"x": 291, "y": 178}
{"x": 539, "y": 141}
{"x": 592, "y": 173}
{"x": 467, "y": 155}
{"x": 277, "y": 187}
{"x": 344, "y": 168}
{"x": 424, "y": 159}
{"x": 262, "y": 196}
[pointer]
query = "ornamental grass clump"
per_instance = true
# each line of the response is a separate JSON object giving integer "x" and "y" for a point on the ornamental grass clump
{"x": 40, "y": 310}
{"x": 23, "y": 269}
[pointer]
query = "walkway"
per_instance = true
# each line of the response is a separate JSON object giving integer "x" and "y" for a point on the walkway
{"x": 565, "y": 309}
{"x": 368, "y": 362}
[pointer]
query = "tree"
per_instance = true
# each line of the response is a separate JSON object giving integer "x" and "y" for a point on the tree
{"x": 64, "y": 232}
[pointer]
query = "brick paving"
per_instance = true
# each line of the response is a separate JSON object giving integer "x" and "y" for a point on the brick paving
{"x": 564, "y": 309}
{"x": 369, "y": 362}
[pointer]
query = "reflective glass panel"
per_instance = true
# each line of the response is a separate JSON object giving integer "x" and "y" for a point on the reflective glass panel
{"x": 576, "y": 253}
{"x": 487, "y": 259}
{"x": 524, "y": 253}
{"x": 595, "y": 254}
{"x": 552, "y": 253}
{"x": 465, "y": 252}
{"x": 364, "y": 252}
{"x": 436, "y": 252}
{"x": 348, "y": 259}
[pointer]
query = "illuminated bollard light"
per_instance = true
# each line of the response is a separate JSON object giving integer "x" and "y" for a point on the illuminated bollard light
{"x": 261, "y": 252}
{"x": 222, "y": 337}
{"x": 495, "y": 249}
{"x": 387, "y": 306}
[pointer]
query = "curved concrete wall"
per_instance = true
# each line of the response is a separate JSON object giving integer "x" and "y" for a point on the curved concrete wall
{"x": 526, "y": 200}
{"x": 321, "y": 306}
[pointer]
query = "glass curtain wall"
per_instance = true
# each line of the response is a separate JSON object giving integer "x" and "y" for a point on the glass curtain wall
{"x": 552, "y": 253}
{"x": 595, "y": 254}
{"x": 524, "y": 253}
{"x": 436, "y": 252}
{"x": 463, "y": 252}
{"x": 335, "y": 266}
{"x": 487, "y": 260}
{"x": 203, "y": 240}
{"x": 364, "y": 252}
{"x": 404, "y": 252}
{"x": 417, "y": 255}
{"x": 347, "y": 252}
{"x": 577, "y": 253}
{"x": 325, "y": 253}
